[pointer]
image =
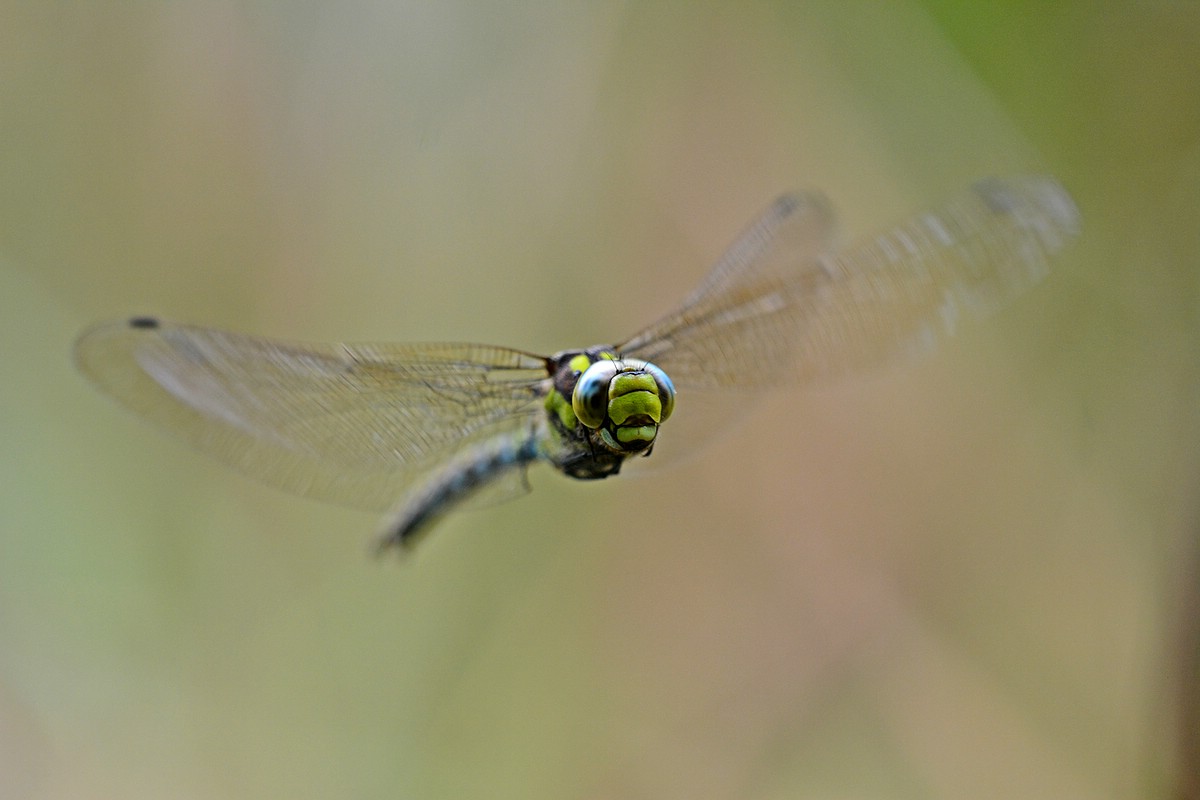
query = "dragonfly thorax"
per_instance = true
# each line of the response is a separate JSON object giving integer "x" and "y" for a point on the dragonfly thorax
{"x": 612, "y": 405}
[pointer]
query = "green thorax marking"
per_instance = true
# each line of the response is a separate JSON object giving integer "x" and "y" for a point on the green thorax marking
{"x": 560, "y": 410}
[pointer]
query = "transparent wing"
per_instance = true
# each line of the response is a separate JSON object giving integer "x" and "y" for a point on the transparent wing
{"x": 351, "y": 424}
{"x": 782, "y": 308}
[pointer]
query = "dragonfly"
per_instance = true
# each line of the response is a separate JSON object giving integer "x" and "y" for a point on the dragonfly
{"x": 416, "y": 430}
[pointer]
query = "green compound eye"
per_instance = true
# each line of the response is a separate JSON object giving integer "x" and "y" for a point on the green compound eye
{"x": 666, "y": 389}
{"x": 590, "y": 398}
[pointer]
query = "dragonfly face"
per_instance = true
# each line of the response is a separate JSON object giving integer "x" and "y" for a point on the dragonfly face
{"x": 605, "y": 408}
{"x": 415, "y": 429}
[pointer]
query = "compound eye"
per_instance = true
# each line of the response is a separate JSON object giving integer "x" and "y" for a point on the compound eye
{"x": 666, "y": 389}
{"x": 590, "y": 398}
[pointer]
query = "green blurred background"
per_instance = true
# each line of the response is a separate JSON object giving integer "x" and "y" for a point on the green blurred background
{"x": 968, "y": 577}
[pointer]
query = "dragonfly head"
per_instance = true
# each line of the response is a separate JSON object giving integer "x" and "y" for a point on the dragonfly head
{"x": 622, "y": 400}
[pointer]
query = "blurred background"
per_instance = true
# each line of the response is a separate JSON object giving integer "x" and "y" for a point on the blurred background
{"x": 968, "y": 577}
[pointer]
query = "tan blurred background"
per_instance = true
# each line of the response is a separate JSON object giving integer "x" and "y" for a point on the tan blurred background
{"x": 956, "y": 579}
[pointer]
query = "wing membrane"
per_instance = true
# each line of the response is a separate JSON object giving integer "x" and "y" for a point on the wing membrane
{"x": 352, "y": 424}
{"x": 782, "y": 308}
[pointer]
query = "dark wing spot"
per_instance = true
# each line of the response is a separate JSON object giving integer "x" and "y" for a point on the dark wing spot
{"x": 143, "y": 323}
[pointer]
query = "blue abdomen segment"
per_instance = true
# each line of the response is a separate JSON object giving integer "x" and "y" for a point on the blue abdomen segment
{"x": 456, "y": 481}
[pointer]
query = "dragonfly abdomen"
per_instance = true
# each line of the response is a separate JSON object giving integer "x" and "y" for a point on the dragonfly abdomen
{"x": 457, "y": 480}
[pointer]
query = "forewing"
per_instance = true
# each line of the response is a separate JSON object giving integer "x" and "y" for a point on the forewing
{"x": 351, "y": 424}
{"x": 777, "y": 256}
{"x": 781, "y": 308}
